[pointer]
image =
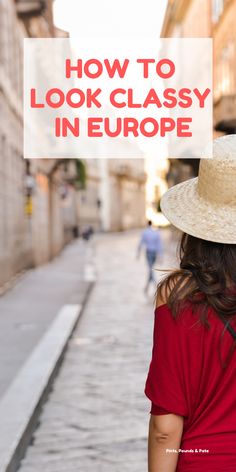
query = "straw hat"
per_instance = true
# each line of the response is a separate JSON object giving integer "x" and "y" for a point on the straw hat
{"x": 205, "y": 206}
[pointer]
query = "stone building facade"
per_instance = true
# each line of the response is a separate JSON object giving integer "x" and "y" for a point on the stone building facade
{"x": 123, "y": 196}
{"x": 224, "y": 34}
{"x": 88, "y": 198}
{"x": 15, "y": 231}
{"x": 31, "y": 225}
{"x": 186, "y": 19}
{"x": 216, "y": 19}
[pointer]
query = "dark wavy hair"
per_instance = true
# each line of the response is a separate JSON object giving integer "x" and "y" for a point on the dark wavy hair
{"x": 206, "y": 278}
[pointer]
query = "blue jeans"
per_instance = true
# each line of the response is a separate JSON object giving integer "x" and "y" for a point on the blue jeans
{"x": 151, "y": 258}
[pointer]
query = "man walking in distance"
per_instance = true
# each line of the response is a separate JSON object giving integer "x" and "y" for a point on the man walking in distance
{"x": 151, "y": 240}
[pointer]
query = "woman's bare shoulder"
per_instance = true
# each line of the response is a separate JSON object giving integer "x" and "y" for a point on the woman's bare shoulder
{"x": 163, "y": 292}
{"x": 167, "y": 285}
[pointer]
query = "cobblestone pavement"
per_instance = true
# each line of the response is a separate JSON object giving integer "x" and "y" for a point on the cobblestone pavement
{"x": 96, "y": 417}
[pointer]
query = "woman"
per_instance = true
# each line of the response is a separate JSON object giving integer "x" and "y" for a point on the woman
{"x": 192, "y": 376}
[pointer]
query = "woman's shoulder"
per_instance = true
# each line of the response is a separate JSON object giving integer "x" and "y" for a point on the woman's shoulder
{"x": 180, "y": 315}
{"x": 166, "y": 287}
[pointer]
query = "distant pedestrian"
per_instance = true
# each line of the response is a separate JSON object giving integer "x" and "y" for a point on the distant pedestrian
{"x": 87, "y": 233}
{"x": 151, "y": 240}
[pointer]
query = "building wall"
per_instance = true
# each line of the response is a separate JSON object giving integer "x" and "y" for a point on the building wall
{"x": 124, "y": 197}
{"x": 214, "y": 18}
{"x": 47, "y": 220}
{"x": 56, "y": 223}
{"x": 186, "y": 19}
{"x": 133, "y": 203}
{"x": 89, "y": 198}
{"x": 39, "y": 221}
{"x": 15, "y": 242}
{"x": 225, "y": 55}
{"x": 117, "y": 206}
{"x": 31, "y": 229}
{"x": 197, "y": 21}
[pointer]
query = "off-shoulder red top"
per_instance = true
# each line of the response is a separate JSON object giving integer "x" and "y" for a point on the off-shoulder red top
{"x": 186, "y": 377}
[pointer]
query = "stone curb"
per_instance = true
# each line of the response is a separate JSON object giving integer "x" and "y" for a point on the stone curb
{"x": 21, "y": 405}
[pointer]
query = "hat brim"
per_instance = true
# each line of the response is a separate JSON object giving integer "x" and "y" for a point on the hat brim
{"x": 190, "y": 213}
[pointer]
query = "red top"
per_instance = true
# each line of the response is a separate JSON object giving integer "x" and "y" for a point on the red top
{"x": 186, "y": 377}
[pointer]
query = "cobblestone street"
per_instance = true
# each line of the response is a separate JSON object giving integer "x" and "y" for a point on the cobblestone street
{"x": 96, "y": 417}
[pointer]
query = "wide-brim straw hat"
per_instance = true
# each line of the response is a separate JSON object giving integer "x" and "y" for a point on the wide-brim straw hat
{"x": 205, "y": 206}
